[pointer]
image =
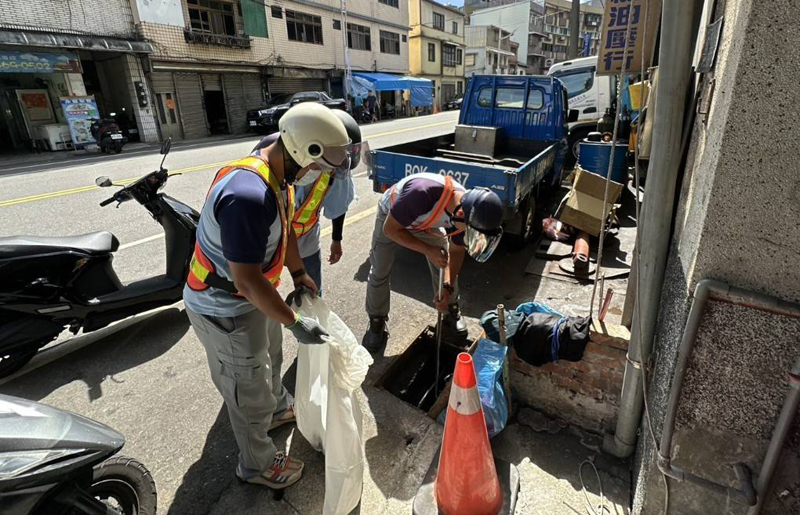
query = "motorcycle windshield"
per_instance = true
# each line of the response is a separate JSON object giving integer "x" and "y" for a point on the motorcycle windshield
{"x": 26, "y": 425}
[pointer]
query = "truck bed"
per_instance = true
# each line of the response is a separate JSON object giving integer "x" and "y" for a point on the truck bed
{"x": 518, "y": 166}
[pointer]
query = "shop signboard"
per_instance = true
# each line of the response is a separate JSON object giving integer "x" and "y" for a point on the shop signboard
{"x": 80, "y": 112}
{"x": 12, "y": 61}
{"x": 628, "y": 26}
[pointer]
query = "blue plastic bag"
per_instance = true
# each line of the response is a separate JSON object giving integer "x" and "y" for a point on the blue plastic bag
{"x": 488, "y": 360}
{"x": 528, "y": 308}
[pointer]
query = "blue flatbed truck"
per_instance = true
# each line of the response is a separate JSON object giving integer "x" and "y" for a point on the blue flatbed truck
{"x": 511, "y": 137}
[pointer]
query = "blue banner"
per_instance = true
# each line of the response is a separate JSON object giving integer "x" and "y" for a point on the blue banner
{"x": 12, "y": 61}
{"x": 587, "y": 44}
{"x": 80, "y": 112}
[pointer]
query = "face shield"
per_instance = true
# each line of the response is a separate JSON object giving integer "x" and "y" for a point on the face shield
{"x": 480, "y": 244}
{"x": 355, "y": 159}
{"x": 329, "y": 158}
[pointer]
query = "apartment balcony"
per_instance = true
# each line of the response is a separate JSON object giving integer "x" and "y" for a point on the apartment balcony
{"x": 204, "y": 38}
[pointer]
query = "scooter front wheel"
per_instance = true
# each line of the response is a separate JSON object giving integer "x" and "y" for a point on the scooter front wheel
{"x": 124, "y": 485}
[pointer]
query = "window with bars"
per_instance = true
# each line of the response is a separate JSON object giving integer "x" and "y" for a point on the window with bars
{"x": 303, "y": 27}
{"x": 390, "y": 43}
{"x": 210, "y": 17}
{"x": 438, "y": 21}
{"x": 358, "y": 37}
{"x": 391, "y": 3}
{"x": 449, "y": 55}
{"x": 431, "y": 53}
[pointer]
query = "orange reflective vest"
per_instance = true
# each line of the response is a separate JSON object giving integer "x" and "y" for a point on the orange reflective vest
{"x": 308, "y": 214}
{"x": 438, "y": 209}
{"x": 202, "y": 272}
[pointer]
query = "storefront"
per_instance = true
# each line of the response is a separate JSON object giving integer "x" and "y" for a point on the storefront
{"x": 37, "y": 71}
{"x": 195, "y": 101}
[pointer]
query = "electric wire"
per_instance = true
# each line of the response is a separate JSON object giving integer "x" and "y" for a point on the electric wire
{"x": 588, "y": 504}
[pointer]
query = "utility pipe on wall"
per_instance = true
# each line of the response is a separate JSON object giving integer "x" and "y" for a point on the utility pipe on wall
{"x": 675, "y": 72}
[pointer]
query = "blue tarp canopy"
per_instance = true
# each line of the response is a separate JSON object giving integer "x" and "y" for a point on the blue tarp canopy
{"x": 421, "y": 89}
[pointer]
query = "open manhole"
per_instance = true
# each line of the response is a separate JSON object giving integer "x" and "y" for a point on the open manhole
{"x": 412, "y": 375}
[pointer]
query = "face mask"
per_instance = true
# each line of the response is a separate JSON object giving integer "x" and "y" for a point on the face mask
{"x": 308, "y": 179}
{"x": 290, "y": 168}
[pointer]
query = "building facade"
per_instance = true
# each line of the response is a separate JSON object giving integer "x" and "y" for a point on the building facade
{"x": 524, "y": 20}
{"x": 215, "y": 59}
{"x": 488, "y": 50}
{"x": 436, "y": 47}
{"x": 50, "y": 50}
{"x": 555, "y": 45}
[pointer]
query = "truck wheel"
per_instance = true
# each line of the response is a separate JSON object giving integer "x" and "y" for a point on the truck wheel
{"x": 527, "y": 225}
{"x": 574, "y": 144}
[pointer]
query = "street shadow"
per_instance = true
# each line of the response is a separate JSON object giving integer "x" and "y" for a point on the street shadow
{"x": 115, "y": 351}
{"x": 212, "y": 474}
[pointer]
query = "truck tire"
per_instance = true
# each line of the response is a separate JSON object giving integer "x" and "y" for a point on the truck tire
{"x": 572, "y": 153}
{"x": 527, "y": 222}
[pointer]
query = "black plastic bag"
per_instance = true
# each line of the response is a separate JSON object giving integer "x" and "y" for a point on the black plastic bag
{"x": 543, "y": 338}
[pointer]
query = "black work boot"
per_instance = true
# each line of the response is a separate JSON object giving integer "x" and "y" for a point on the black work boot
{"x": 454, "y": 323}
{"x": 376, "y": 336}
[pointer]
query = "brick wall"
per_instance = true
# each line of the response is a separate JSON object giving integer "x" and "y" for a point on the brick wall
{"x": 101, "y": 17}
{"x": 169, "y": 43}
{"x": 585, "y": 393}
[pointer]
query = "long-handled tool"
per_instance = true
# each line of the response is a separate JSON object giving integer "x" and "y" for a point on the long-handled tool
{"x": 501, "y": 322}
{"x": 439, "y": 321}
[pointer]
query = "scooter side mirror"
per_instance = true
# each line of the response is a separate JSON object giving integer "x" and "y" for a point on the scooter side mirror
{"x": 103, "y": 182}
{"x": 166, "y": 146}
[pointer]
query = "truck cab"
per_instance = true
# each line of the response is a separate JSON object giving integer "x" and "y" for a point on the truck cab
{"x": 587, "y": 93}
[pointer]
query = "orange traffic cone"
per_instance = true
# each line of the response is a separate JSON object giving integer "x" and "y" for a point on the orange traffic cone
{"x": 463, "y": 478}
{"x": 467, "y": 481}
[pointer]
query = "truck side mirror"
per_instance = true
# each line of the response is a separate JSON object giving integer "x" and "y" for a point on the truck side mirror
{"x": 572, "y": 116}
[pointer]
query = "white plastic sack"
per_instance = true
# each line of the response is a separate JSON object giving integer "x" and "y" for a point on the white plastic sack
{"x": 328, "y": 414}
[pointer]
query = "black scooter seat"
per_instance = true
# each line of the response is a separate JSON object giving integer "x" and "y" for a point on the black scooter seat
{"x": 101, "y": 242}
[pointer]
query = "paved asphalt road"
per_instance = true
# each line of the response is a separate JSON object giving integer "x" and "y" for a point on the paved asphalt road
{"x": 148, "y": 378}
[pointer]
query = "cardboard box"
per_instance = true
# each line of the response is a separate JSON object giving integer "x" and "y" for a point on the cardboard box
{"x": 582, "y": 208}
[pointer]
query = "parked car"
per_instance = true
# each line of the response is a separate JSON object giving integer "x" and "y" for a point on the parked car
{"x": 266, "y": 118}
{"x": 454, "y": 103}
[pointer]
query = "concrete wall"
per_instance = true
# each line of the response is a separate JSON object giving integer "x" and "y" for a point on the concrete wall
{"x": 278, "y": 50}
{"x": 101, "y": 17}
{"x": 737, "y": 222}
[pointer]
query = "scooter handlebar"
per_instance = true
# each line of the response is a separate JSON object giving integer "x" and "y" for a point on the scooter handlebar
{"x": 107, "y": 202}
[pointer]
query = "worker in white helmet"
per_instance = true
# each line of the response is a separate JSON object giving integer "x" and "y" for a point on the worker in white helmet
{"x": 244, "y": 240}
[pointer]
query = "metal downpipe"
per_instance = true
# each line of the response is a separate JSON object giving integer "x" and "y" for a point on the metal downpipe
{"x": 675, "y": 72}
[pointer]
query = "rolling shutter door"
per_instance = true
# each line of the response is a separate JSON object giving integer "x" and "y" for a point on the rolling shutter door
{"x": 190, "y": 102}
{"x": 242, "y": 93}
{"x": 278, "y": 85}
{"x": 162, "y": 82}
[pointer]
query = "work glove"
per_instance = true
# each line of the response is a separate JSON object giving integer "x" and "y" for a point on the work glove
{"x": 307, "y": 331}
{"x": 297, "y": 295}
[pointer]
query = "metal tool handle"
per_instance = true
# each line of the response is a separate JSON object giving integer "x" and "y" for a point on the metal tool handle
{"x": 501, "y": 322}
{"x": 439, "y": 323}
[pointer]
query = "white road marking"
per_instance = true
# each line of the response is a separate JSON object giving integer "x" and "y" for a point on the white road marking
{"x": 142, "y": 241}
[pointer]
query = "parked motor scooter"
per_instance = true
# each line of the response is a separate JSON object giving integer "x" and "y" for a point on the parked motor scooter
{"x": 108, "y": 135}
{"x": 56, "y": 463}
{"x": 47, "y": 284}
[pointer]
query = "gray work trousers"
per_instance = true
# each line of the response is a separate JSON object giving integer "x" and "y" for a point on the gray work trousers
{"x": 381, "y": 260}
{"x": 245, "y": 355}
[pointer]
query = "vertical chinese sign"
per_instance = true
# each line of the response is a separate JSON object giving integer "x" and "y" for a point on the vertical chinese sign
{"x": 619, "y": 43}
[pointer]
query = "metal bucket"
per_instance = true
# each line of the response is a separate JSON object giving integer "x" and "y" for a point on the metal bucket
{"x": 594, "y": 155}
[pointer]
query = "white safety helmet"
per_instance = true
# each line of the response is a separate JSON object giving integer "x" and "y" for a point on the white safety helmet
{"x": 311, "y": 133}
